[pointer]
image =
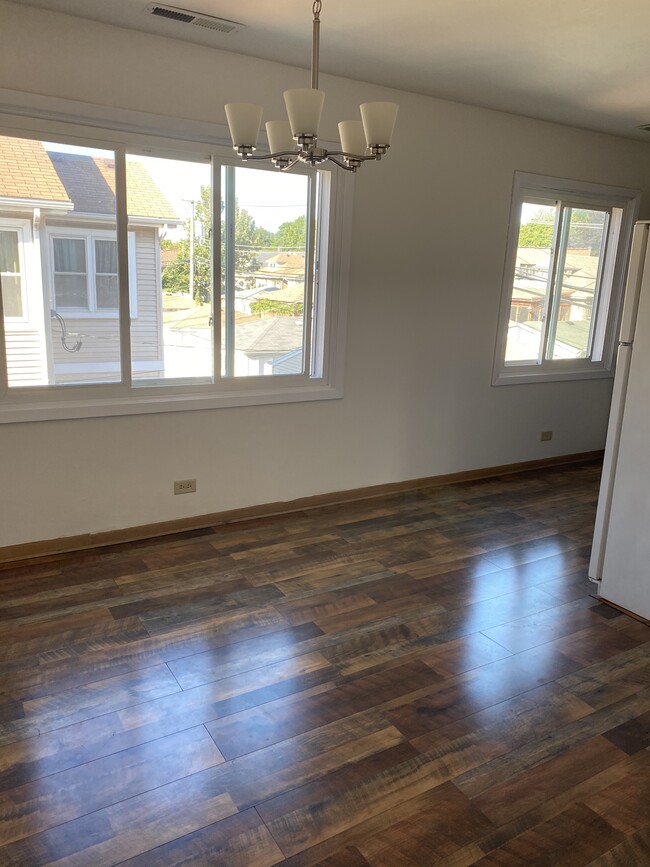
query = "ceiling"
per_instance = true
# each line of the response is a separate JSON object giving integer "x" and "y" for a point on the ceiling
{"x": 581, "y": 62}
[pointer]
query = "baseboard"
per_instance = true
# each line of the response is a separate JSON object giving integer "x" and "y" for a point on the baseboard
{"x": 84, "y": 541}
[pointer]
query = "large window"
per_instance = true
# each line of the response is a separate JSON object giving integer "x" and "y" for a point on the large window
{"x": 563, "y": 280}
{"x": 162, "y": 279}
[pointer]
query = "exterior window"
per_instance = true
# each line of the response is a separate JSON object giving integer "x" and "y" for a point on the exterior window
{"x": 106, "y": 285}
{"x": 11, "y": 275}
{"x": 145, "y": 281}
{"x": 75, "y": 286}
{"x": 563, "y": 281}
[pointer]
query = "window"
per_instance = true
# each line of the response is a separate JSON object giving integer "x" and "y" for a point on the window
{"x": 12, "y": 272}
{"x": 85, "y": 273}
{"x": 161, "y": 279}
{"x": 563, "y": 282}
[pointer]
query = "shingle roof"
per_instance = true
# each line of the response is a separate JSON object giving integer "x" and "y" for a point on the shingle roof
{"x": 91, "y": 186}
{"x": 29, "y": 171}
{"x": 26, "y": 171}
{"x": 276, "y": 334}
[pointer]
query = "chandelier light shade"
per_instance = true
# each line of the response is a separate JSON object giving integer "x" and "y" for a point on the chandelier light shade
{"x": 353, "y": 137}
{"x": 296, "y": 140}
{"x": 304, "y": 109}
{"x": 244, "y": 120}
{"x": 378, "y": 122}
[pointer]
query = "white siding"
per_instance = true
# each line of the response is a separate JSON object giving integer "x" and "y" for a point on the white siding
{"x": 25, "y": 358}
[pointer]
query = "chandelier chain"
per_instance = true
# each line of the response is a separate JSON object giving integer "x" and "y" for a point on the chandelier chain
{"x": 316, "y": 8}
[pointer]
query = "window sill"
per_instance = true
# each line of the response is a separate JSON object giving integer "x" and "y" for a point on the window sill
{"x": 528, "y": 374}
{"x": 43, "y": 409}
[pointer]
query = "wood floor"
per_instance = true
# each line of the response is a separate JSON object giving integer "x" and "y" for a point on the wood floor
{"x": 413, "y": 680}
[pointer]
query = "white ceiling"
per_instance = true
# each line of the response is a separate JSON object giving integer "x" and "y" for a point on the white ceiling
{"x": 581, "y": 62}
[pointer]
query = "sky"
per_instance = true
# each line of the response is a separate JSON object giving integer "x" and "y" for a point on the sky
{"x": 271, "y": 197}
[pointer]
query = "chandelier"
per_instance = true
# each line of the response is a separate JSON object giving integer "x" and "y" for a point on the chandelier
{"x": 296, "y": 140}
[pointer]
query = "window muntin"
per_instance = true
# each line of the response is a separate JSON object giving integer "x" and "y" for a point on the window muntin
{"x": 564, "y": 279}
{"x": 312, "y": 372}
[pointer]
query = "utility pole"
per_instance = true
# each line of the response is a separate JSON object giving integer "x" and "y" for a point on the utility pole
{"x": 191, "y": 202}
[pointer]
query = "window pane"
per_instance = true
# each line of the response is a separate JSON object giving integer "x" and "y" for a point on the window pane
{"x": 530, "y": 290}
{"x": 106, "y": 280}
{"x": 70, "y": 255}
{"x": 107, "y": 291}
{"x": 70, "y": 290}
{"x": 12, "y": 288}
{"x": 84, "y": 345}
{"x": 12, "y": 296}
{"x": 170, "y": 218}
{"x": 105, "y": 257}
{"x": 267, "y": 286}
{"x": 9, "y": 257}
{"x": 579, "y": 264}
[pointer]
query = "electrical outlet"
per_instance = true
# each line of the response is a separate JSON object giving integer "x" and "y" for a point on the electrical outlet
{"x": 185, "y": 486}
{"x": 546, "y": 435}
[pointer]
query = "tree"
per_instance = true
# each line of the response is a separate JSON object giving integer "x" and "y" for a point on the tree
{"x": 538, "y": 231}
{"x": 277, "y": 308}
{"x": 248, "y": 236}
{"x": 292, "y": 235}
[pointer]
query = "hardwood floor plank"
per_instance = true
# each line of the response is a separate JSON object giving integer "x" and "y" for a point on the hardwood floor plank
{"x": 245, "y": 732}
{"x": 103, "y": 696}
{"x": 241, "y": 840}
{"x": 44, "y": 803}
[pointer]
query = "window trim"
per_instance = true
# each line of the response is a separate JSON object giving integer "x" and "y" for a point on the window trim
{"x": 22, "y": 229}
{"x": 89, "y": 236}
{"x": 104, "y": 399}
{"x": 530, "y": 188}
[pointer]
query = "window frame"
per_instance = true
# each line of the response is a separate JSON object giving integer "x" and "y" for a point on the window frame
{"x": 22, "y": 229}
{"x": 35, "y": 403}
{"x": 89, "y": 236}
{"x": 621, "y": 202}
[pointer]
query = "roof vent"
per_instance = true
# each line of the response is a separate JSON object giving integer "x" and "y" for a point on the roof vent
{"x": 198, "y": 19}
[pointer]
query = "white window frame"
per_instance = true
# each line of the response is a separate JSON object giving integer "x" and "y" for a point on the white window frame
{"x": 22, "y": 228}
{"x": 618, "y": 201}
{"x": 89, "y": 236}
{"x": 167, "y": 138}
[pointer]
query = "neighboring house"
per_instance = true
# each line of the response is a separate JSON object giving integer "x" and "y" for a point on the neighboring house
{"x": 269, "y": 346}
{"x": 531, "y": 278}
{"x": 284, "y": 271}
{"x": 290, "y": 295}
{"x": 528, "y": 303}
{"x": 58, "y": 265}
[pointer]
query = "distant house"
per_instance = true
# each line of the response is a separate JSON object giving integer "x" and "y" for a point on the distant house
{"x": 59, "y": 265}
{"x": 269, "y": 346}
{"x": 289, "y": 295}
{"x": 283, "y": 271}
{"x": 531, "y": 278}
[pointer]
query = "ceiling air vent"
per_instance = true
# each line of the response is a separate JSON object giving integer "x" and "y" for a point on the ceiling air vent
{"x": 197, "y": 19}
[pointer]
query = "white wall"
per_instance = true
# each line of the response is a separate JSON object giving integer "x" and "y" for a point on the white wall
{"x": 429, "y": 236}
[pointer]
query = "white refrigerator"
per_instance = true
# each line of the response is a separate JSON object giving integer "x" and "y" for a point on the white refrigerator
{"x": 620, "y": 559}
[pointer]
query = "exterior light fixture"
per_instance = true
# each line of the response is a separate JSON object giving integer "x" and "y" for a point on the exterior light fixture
{"x": 296, "y": 140}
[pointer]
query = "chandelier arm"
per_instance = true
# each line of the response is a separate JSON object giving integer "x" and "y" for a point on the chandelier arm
{"x": 291, "y": 164}
{"x": 341, "y": 165}
{"x": 351, "y": 156}
{"x": 274, "y": 156}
